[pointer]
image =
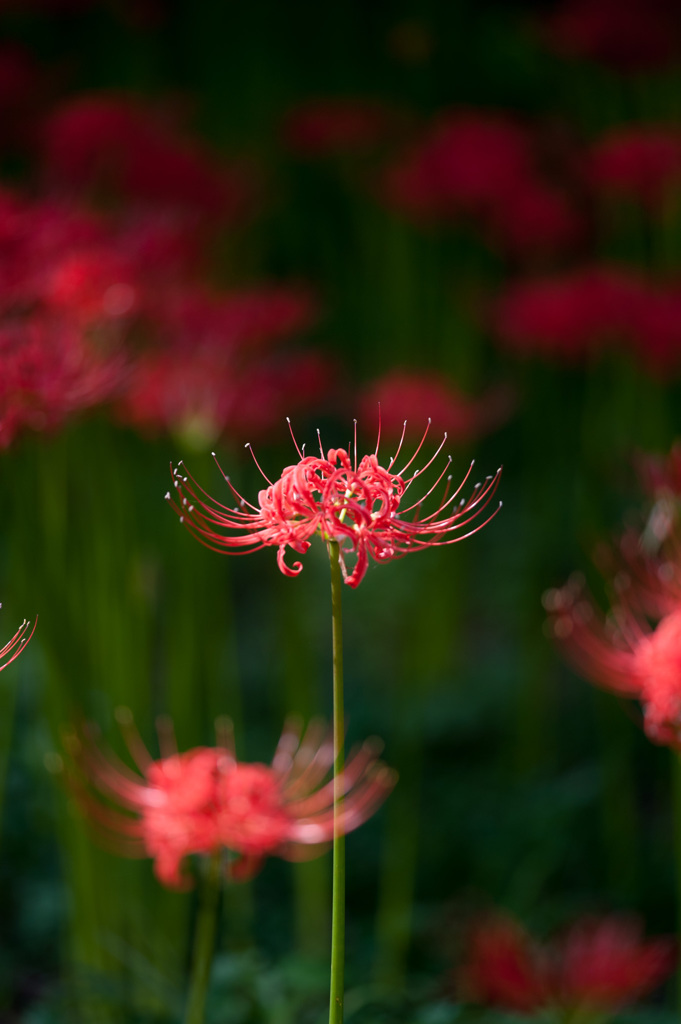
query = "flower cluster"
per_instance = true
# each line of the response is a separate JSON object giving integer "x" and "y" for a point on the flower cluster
{"x": 205, "y": 800}
{"x": 633, "y": 37}
{"x": 642, "y": 164}
{"x": 484, "y": 167}
{"x": 599, "y": 965}
{"x": 571, "y": 315}
{"x": 216, "y": 368}
{"x": 119, "y": 148}
{"x": 101, "y": 304}
{"x": 361, "y": 505}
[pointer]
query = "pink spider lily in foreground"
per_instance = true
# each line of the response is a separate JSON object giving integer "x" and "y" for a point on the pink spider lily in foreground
{"x": 15, "y": 646}
{"x": 204, "y": 800}
{"x": 361, "y": 505}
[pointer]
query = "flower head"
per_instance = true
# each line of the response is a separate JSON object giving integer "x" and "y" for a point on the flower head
{"x": 501, "y": 968}
{"x": 598, "y": 965}
{"x": 359, "y": 504}
{"x": 204, "y": 800}
{"x": 624, "y": 654}
{"x": 642, "y": 164}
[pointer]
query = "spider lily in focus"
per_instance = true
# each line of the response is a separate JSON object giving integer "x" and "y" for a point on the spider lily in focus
{"x": 358, "y": 503}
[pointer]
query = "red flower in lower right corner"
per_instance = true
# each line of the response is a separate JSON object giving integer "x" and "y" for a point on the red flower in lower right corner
{"x": 598, "y": 966}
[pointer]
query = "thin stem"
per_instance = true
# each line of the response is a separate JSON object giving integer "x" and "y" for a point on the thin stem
{"x": 676, "y": 820}
{"x": 204, "y": 942}
{"x": 338, "y": 891}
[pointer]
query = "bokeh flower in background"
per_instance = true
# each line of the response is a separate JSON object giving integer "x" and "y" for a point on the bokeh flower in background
{"x": 568, "y": 316}
{"x": 205, "y": 800}
{"x": 641, "y": 164}
{"x": 641, "y": 35}
{"x": 418, "y": 396}
{"x": 214, "y": 367}
{"x": 598, "y": 966}
{"x": 116, "y": 148}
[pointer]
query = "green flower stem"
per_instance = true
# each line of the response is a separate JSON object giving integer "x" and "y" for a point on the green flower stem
{"x": 676, "y": 824}
{"x": 204, "y": 942}
{"x": 338, "y": 889}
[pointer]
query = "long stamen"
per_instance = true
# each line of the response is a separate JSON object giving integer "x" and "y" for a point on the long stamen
{"x": 399, "y": 447}
{"x": 294, "y": 438}
{"x": 250, "y": 448}
{"x": 420, "y": 446}
{"x": 435, "y": 454}
{"x": 430, "y": 491}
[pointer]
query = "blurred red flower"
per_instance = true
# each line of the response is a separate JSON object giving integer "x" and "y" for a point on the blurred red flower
{"x": 213, "y": 371}
{"x": 638, "y": 163}
{"x": 49, "y": 372}
{"x": 599, "y": 965}
{"x": 205, "y": 800}
{"x": 116, "y": 147}
{"x": 625, "y": 654}
{"x": 357, "y": 504}
{"x": 407, "y": 395}
{"x": 639, "y": 35}
{"x": 569, "y": 315}
{"x": 486, "y": 167}
{"x": 539, "y": 220}
{"x": 468, "y": 162}
{"x": 605, "y": 963}
{"x": 336, "y": 125}
{"x": 502, "y": 968}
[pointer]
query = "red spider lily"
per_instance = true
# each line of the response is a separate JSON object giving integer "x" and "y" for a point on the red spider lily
{"x": 50, "y": 372}
{"x": 466, "y": 163}
{"x": 570, "y": 315}
{"x": 215, "y": 373}
{"x": 624, "y": 654}
{"x": 203, "y": 396}
{"x": 205, "y": 800}
{"x": 195, "y": 318}
{"x": 631, "y": 37}
{"x": 360, "y": 505}
{"x": 15, "y": 646}
{"x": 115, "y": 145}
{"x": 325, "y": 127}
{"x": 655, "y": 328}
{"x": 598, "y": 965}
{"x": 486, "y": 167}
{"x": 502, "y": 968}
{"x": 606, "y": 963}
{"x": 640, "y": 163}
{"x": 419, "y": 396}
{"x": 541, "y": 220}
